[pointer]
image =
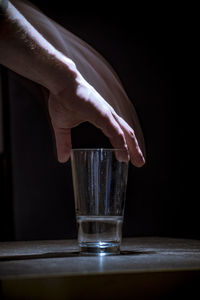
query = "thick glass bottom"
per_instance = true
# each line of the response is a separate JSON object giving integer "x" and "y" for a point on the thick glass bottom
{"x": 99, "y": 248}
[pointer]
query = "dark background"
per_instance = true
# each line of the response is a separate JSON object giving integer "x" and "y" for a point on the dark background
{"x": 147, "y": 55}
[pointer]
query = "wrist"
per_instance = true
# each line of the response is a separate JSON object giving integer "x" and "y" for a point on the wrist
{"x": 60, "y": 73}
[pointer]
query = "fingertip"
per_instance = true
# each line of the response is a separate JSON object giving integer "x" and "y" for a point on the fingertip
{"x": 63, "y": 157}
{"x": 138, "y": 159}
{"x": 137, "y": 164}
{"x": 141, "y": 163}
{"x": 63, "y": 144}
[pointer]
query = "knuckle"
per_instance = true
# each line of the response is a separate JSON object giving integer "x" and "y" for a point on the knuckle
{"x": 131, "y": 132}
{"x": 103, "y": 117}
{"x": 101, "y": 120}
{"x": 106, "y": 120}
{"x": 120, "y": 136}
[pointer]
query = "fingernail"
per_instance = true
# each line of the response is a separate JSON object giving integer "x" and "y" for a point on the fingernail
{"x": 62, "y": 158}
{"x": 141, "y": 159}
{"x": 142, "y": 156}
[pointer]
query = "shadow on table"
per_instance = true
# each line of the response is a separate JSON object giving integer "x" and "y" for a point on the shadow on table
{"x": 66, "y": 254}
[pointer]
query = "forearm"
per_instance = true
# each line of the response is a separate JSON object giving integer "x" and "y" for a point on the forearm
{"x": 25, "y": 51}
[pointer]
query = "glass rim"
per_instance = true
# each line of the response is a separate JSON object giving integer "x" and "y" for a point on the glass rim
{"x": 97, "y": 149}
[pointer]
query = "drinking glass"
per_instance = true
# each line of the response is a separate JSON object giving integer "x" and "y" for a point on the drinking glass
{"x": 99, "y": 181}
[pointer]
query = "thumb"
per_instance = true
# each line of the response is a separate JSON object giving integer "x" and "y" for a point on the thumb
{"x": 63, "y": 143}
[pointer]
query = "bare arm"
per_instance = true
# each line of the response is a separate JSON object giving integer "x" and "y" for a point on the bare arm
{"x": 72, "y": 99}
{"x": 25, "y": 51}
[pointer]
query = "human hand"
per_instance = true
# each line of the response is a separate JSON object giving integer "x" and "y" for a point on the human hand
{"x": 71, "y": 99}
{"x": 80, "y": 102}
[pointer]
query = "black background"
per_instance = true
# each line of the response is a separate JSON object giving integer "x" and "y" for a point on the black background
{"x": 147, "y": 53}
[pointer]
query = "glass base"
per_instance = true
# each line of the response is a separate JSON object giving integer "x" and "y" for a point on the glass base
{"x": 99, "y": 248}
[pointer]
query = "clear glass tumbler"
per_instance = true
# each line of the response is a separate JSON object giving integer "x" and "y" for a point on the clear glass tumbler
{"x": 99, "y": 181}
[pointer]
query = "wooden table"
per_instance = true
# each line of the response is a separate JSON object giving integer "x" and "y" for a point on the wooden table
{"x": 147, "y": 268}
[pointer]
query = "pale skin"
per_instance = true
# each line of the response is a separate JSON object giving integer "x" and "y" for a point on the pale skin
{"x": 72, "y": 100}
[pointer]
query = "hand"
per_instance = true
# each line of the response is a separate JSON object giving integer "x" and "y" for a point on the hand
{"x": 80, "y": 103}
{"x": 72, "y": 100}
